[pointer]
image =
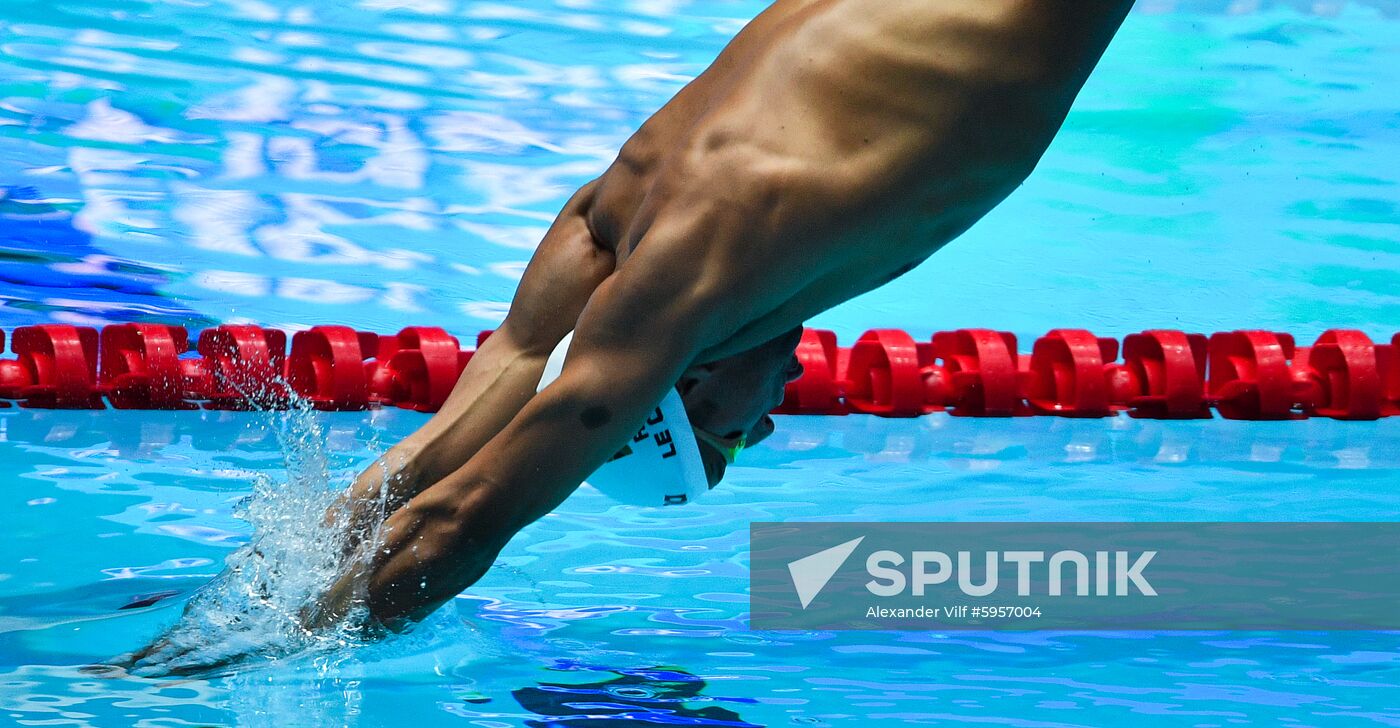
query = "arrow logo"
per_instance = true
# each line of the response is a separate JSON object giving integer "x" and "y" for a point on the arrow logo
{"x": 811, "y": 573}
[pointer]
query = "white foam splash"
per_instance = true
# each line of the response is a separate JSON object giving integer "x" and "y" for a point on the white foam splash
{"x": 252, "y": 612}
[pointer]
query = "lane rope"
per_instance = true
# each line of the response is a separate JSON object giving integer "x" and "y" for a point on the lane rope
{"x": 1156, "y": 374}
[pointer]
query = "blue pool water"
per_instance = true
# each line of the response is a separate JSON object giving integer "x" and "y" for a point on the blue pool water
{"x": 392, "y": 162}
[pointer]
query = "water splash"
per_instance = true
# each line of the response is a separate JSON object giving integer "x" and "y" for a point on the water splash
{"x": 254, "y": 610}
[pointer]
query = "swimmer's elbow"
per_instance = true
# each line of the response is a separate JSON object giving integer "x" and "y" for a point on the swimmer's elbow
{"x": 660, "y": 314}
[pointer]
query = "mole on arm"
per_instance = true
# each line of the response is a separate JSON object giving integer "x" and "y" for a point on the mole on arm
{"x": 595, "y": 416}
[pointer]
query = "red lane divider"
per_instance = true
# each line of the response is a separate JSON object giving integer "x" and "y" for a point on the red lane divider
{"x": 884, "y": 376}
{"x": 246, "y": 367}
{"x": 13, "y": 377}
{"x": 328, "y": 366}
{"x": 1251, "y": 377}
{"x": 418, "y": 368}
{"x": 1391, "y": 394}
{"x": 1345, "y": 377}
{"x": 1163, "y": 374}
{"x": 1070, "y": 375}
{"x": 59, "y": 364}
{"x": 983, "y": 373}
{"x": 141, "y": 367}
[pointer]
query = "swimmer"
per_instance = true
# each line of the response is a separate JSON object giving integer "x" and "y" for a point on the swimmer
{"x": 832, "y": 146}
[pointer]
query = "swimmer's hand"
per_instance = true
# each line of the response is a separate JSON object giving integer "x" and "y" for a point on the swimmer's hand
{"x": 168, "y": 657}
{"x": 229, "y": 622}
{"x": 195, "y": 647}
{"x": 345, "y": 600}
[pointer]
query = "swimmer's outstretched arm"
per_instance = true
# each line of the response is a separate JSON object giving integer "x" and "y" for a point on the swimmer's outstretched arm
{"x": 619, "y": 366}
{"x": 564, "y": 271}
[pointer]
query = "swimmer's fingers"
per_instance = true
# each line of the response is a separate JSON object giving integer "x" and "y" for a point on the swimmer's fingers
{"x": 129, "y": 659}
{"x": 155, "y": 659}
{"x": 153, "y": 662}
{"x": 174, "y": 667}
{"x": 125, "y": 659}
{"x": 104, "y": 669}
{"x": 159, "y": 665}
{"x": 187, "y": 654}
{"x": 125, "y": 663}
{"x": 200, "y": 660}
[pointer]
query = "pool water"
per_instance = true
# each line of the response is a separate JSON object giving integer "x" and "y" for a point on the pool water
{"x": 111, "y": 507}
{"x": 392, "y": 162}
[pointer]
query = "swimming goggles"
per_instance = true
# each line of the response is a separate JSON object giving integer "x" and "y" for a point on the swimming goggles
{"x": 729, "y": 447}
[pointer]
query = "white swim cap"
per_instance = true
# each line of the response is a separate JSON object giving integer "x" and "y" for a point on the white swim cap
{"x": 660, "y": 465}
